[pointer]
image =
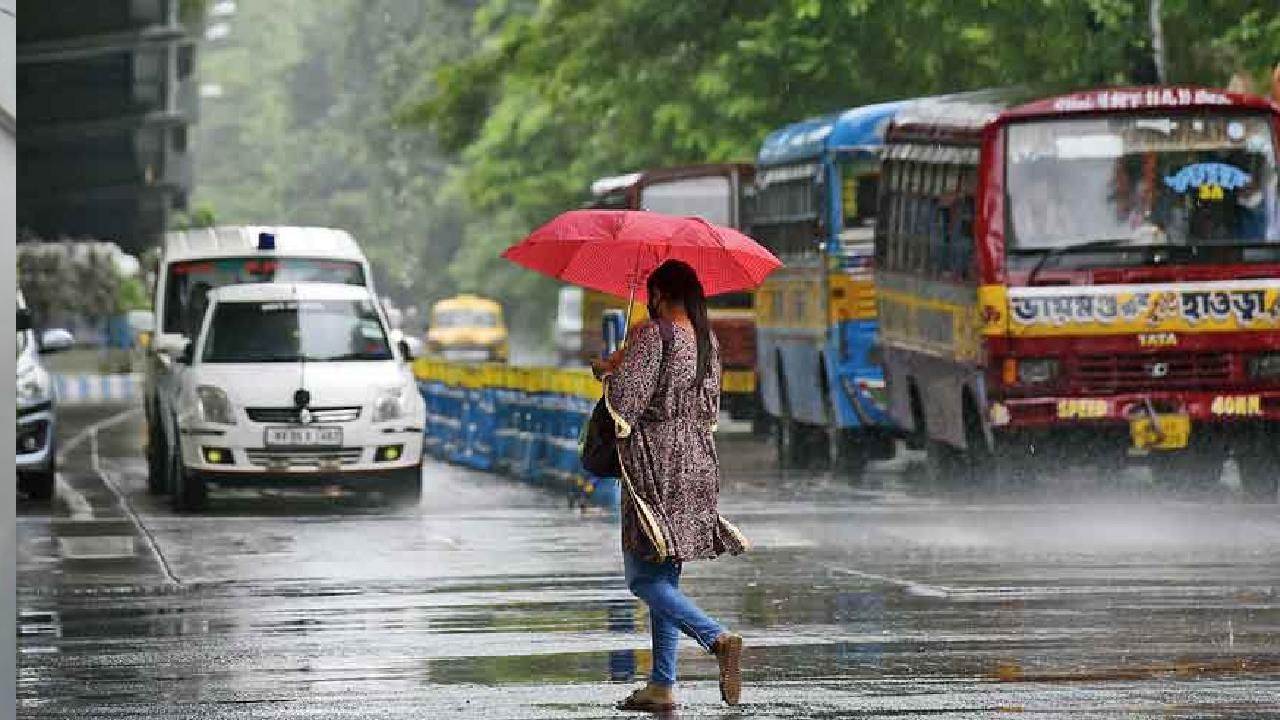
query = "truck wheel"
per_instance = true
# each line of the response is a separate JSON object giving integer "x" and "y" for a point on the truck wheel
{"x": 190, "y": 494}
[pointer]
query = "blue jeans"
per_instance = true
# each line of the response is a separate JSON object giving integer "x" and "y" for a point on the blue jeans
{"x": 670, "y": 612}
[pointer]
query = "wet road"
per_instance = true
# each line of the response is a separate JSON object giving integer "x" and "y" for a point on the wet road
{"x": 496, "y": 600}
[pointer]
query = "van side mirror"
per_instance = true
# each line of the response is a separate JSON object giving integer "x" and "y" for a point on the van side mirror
{"x": 185, "y": 355}
{"x": 411, "y": 349}
{"x": 24, "y": 319}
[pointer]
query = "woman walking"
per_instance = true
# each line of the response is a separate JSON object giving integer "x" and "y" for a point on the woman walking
{"x": 663, "y": 391}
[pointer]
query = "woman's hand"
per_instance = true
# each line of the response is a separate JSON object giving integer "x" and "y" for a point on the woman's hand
{"x": 600, "y": 368}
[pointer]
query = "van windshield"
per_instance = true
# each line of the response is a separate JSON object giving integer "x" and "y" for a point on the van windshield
{"x": 188, "y": 284}
{"x": 295, "y": 331}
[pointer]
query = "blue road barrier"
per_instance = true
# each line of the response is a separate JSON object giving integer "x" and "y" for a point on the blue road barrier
{"x": 523, "y": 422}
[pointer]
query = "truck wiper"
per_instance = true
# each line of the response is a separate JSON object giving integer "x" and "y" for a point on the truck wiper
{"x": 1057, "y": 252}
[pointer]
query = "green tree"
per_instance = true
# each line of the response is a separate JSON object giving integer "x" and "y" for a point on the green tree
{"x": 559, "y": 92}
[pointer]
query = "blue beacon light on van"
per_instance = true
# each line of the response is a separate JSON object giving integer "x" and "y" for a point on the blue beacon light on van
{"x": 266, "y": 241}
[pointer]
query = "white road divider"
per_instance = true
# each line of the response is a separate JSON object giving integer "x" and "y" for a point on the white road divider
{"x": 91, "y": 389}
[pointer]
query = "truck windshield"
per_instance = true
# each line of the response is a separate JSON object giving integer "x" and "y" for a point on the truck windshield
{"x": 294, "y": 331}
{"x": 1196, "y": 181}
{"x": 188, "y": 283}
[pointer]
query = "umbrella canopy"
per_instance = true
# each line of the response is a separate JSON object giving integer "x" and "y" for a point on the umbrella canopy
{"x": 614, "y": 251}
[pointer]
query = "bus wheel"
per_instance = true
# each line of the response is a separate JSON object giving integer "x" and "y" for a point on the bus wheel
{"x": 847, "y": 452}
{"x": 1259, "y": 465}
{"x": 787, "y": 438}
{"x": 788, "y": 435}
{"x": 1192, "y": 469}
{"x": 944, "y": 464}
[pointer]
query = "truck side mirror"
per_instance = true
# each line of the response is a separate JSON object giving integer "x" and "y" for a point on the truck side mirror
{"x": 24, "y": 320}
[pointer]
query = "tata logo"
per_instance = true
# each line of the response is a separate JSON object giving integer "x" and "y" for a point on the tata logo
{"x": 1157, "y": 340}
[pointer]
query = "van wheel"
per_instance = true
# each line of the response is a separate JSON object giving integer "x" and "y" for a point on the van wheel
{"x": 406, "y": 487}
{"x": 189, "y": 494}
{"x": 157, "y": 462}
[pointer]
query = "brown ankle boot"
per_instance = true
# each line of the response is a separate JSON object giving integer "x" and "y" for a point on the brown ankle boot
{"x": 728, "y": 652}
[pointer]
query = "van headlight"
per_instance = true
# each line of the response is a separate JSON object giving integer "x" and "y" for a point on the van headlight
{"x": 391, "y": 404}
{"x": 215, "y": 406}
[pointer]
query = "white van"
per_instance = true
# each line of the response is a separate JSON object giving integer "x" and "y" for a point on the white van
{"x": 36, "y": 453}
{"x": 293, "y": 385}
{"x": 198, "y": 261}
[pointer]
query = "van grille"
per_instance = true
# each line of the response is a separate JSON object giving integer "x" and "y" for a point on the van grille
{"x": 290, "y": 415}
{"x": 1124, "y": 373}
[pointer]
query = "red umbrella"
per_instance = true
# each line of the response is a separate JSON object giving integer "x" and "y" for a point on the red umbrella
{"x": 615, "y": 250}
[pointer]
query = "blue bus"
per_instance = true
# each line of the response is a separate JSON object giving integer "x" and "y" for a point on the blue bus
{"x": 814, "y": 205}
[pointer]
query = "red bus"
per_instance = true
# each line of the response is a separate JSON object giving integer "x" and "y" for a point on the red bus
{"x": 714, "y": 192}
{"x": 1088, "y": 278}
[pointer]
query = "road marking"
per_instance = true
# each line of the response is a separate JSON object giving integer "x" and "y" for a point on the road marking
{"x": 911, "y": 587}
{"x": 75, "y": 500}
{"x": 97, "y": 547}
{"x": 85, "y": 434}
{"x": 90, "y": 435}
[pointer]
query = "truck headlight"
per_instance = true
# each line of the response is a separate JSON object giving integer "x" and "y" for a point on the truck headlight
{"x": 1266, "y": 365}
{"x": 1032, "y": 371}
{"x": 391, "y": 404}
{"x": 215, "y": 406}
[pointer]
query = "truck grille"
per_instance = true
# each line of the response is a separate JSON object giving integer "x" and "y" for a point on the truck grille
{"x": 1123, "y": 373}
{"x": 303, "y": 458}
{"x": 290, "y": 415}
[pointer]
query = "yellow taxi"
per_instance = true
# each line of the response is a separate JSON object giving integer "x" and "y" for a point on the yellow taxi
{"x": 467, "y": 328}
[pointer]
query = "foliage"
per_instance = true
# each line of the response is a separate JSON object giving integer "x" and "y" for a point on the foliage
{"x": 441, "y": 131}
{"x": 197, "y": 217}
{"x": 65, "y": 279}
{"x": 561, "y": 92}
{"x": 306, "y": 132}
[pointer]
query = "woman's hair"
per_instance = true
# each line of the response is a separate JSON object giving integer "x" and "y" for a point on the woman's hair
{"x": 675, "y": 281}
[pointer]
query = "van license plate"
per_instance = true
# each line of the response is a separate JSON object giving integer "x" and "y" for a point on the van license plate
{"x": 304, "y": 436}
